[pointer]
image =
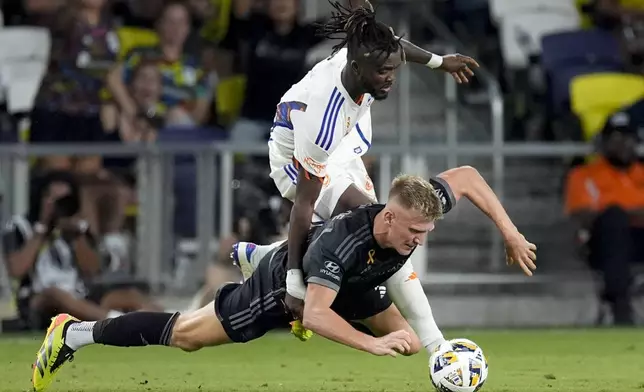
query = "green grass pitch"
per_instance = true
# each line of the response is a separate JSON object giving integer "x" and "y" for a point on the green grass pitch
{"x": 530, "y": 361}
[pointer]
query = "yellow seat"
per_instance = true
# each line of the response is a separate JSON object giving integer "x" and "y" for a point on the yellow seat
{"x": 230, "y": 98}
{"x": 594, "y": 97}
{"x": 132, "y": 37}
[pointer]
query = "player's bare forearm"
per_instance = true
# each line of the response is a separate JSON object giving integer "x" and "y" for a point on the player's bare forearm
{"x": 319, "y": 318}
{"x": 299, "y": 224}
{"x": 327, "y": 323}
{"x": 467, "y": 181}
{"x": 415, "y": 54}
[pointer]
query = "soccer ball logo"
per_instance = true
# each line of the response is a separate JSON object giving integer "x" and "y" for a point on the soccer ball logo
{"x": 458, "y": 366}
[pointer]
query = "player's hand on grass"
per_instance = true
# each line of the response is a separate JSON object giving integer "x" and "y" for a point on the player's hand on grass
{"x": 459, "y": 66}
{"x": 520, "y": 251}
{"x": 395, "y": 343}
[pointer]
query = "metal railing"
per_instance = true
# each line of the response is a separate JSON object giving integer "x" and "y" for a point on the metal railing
{"x": 215, "y": 170}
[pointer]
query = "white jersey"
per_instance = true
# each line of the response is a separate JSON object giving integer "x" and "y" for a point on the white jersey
{"x": 318, "y": 123}
{"x": 319, "y": 126}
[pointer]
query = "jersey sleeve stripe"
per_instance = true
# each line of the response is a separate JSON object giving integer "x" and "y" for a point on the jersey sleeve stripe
{"x": 326, "y": 144}
{"x": 347, "y": 243}
{"x": 364, "y": 139}
{"x": 291, "y": 172}
{"x": 349, "y": 249}
{"x": 355, "y": 246}
{"x": 323, "y": 282}
{"x": 326, "y": 115}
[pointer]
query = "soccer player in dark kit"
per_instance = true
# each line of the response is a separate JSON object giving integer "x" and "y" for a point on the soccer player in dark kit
{"x": 346, "y": 259}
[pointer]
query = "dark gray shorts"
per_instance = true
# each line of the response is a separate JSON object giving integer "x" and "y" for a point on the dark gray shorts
{"x": 248, "y": 310}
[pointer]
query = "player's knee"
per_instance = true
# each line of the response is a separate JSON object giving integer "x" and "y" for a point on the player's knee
{"x": 184, "y": 334}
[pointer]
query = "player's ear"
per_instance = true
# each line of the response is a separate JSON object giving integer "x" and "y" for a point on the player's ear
{"x": 389, "y": 217}
{"x": 354, "y": 67}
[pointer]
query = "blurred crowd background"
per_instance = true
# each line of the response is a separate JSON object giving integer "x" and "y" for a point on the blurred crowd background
{"x": 558, "y": 102}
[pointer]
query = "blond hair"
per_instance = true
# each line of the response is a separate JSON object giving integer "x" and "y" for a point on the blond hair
{"x": 416, "y": 193}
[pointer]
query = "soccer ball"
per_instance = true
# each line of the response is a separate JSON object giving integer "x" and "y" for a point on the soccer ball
{"x": 458, "y": 365}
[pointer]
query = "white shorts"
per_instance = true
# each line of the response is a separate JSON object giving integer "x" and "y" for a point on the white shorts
{"x": 339, "y": 177}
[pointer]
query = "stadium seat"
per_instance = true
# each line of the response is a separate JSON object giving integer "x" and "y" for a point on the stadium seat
{"x": 559, "y": 83}
{"x": 580, "y": 47}
{"x": 521, "y": 34}
{"x": 20, "y": 43}
{"x": 230, "y": 98}
{"x": 23, "y": 62}
{"x": 594, "y": 97}
{"x": 132, "y": 37}
{"x": 501, "y": 9}
{"x": 185, "y": 175}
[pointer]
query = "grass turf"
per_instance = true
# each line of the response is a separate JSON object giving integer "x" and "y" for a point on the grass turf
{"x": 530, "y": 361}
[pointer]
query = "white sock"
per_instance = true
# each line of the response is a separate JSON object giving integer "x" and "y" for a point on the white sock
{"x": 80, "y": 335}
{"x": 431, "y": 347}
{"x": 114, "y": 314}
{"x": 261, "y": 251}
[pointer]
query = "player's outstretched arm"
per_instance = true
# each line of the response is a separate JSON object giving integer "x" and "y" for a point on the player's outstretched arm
{"x": 467, "y": 181}
{"x": 321, "y": 319}
{"x": 459, "y": 66}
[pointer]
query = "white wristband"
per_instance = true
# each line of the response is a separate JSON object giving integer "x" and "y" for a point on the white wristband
{"x": 295, "y": 284}
{"x": 435, "y": 62}
{"x": 40, "y": 228}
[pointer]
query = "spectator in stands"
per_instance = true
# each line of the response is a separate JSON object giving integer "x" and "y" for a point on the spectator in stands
{"x": 187, "y": 89}
{"x": 145, "y": 88}
{"x": 210, "y": 35}
{"x": 276, "y": 45}
{"x": 626, "y": 17}
{"x": 83, "y": 48}
{"x": 605, "y": 199}
{"x": 51, "y": 254}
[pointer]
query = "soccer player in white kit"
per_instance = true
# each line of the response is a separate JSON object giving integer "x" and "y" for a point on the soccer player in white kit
{"x": 322, "y": 129}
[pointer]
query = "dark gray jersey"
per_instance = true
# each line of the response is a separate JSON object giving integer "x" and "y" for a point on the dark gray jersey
{"x": 344, "y": 256}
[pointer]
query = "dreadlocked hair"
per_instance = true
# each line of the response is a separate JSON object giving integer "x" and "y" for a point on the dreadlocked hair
{"x": 359, "y": 28}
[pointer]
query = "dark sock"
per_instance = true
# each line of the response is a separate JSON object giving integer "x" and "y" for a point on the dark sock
{"x": 136, "y": 329}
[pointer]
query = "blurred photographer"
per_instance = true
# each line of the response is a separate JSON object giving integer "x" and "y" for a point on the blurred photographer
{"x": 53, "y": 258}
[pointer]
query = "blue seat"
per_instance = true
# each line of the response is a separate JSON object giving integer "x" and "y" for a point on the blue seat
{"x": 580, "y": 47}
{"x": 560, "y": 83}
{"x": 569, "y": 54}
{"x": 185, "y": 175}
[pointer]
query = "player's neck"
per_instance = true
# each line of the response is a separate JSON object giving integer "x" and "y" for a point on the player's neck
{"x": 351, "y": 85}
